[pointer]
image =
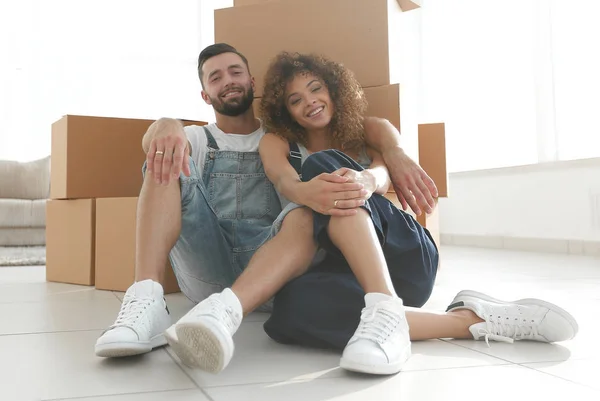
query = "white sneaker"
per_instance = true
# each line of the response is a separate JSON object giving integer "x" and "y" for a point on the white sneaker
{"x": 525, "y": 319}
{"x": 203, "y": 338}
{"x": 140, "y": 324}
{"x": 381, "y": 344}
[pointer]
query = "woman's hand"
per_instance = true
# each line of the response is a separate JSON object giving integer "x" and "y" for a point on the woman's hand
{"x": 334, "y": 194}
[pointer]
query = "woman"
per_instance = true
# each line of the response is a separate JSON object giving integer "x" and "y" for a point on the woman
{"x": 315, "y": 110}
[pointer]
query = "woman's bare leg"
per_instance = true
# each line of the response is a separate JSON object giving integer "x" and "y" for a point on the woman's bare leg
{"x": 356, "y": 238}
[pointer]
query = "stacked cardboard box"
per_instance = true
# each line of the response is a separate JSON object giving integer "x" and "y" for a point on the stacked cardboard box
{"x": 96, "y": 176}
{"x": 373, "y": 38}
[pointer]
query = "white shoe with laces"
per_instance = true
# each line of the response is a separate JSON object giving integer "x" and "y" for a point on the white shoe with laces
{"x": 140, "y": 323}
{"x": 525, "y": 319}
{"x": 203, "y": 338}
{"x": 381, "y": 344}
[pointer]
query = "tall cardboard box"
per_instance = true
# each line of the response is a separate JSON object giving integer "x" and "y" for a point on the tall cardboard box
{"x": 97, "y": 157}
{"x": 115, "y": 246}
{"x": 432, "y": 154}
{"x": 70, "y": 229}
{"x": 366, "y": 36}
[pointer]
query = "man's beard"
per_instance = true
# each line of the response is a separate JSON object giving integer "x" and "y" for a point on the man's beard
{"x": 234, "y": 108}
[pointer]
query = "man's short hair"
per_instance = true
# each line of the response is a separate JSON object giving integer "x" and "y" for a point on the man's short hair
{"x": 215, "y": 50}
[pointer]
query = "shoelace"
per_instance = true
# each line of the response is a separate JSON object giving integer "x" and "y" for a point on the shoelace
{"x": 218, "y": 309}
{"x": 508, "y": 333}
{"x": 377, "y": 323}
{"x": 131, "y": 310}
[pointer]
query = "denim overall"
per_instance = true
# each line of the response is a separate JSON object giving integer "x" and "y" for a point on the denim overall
{"x": 226, "y": 215}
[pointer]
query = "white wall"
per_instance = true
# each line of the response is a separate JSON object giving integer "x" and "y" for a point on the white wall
{"x": 134, "y": 58}
{"x": 549, "y": 201}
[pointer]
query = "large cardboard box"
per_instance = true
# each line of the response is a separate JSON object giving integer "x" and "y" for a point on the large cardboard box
{"x": 70, "y": 228}
{"x": 369, "y": 37}
{"x": 405, "y": 5}
{"x": 97, "y": 157}
{"x": 115, "y": 246}
{"x": 94, "y": 157}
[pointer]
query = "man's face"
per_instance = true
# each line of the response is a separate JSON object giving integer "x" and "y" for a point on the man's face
{"x": 228, "y": 86}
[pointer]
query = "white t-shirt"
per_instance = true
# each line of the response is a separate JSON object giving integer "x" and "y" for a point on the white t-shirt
{"x": 234, "y": 142}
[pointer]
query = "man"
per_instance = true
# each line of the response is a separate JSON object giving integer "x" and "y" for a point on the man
{"x": 207, "y": 205}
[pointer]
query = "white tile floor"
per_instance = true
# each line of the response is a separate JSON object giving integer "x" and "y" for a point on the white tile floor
{"x": 48, "y": 330}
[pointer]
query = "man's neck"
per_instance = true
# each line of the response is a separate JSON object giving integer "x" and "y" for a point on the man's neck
{"x": 243, "y": 124}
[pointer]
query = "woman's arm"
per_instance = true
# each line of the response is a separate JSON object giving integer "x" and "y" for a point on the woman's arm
{"x": 319, "y": 194}
{"x": 274, "y": 153}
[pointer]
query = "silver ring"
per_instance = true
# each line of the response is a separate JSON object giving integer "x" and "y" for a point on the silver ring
{"x": 159, "y": 152}
{"x": 335, "y": 203}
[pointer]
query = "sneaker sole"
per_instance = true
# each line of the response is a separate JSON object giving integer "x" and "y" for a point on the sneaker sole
{"x": 526, "y": 301}
{"x": 389, "y": 369}
{"x": 201, "y": 346}
{"x": 123, "y": 349}
{"x": 180, "y": 350}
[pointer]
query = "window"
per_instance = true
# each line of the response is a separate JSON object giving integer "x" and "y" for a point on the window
{"x": 576, "y": 60}
{"x": 514, "y": 84}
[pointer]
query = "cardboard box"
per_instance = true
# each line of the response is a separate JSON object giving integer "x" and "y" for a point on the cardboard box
{"x": 70, "y": 228}
{"x": 115, "y": 246}
{"x": 405, "y": 5}
{"x": 97, "y": 157}
{"x": 239, "y": 3}
{"x": 432, "y": 155}
{"x": 367, "y": 36}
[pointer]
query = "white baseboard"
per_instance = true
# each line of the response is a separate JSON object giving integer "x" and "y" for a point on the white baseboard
{"x": 572, "y": 247}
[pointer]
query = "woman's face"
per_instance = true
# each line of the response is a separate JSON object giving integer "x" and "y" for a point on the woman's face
{"x": 308, "y": 102}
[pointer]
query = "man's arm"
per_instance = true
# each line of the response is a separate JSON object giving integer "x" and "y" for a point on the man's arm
{"x": 159, "y": 126}
{"x": 378, "y": 170}
{"x": 167, "y": 150}
{"x": 413, "y": 186}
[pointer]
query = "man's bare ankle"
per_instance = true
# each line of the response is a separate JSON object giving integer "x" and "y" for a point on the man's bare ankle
{"x": 156, "y": 279}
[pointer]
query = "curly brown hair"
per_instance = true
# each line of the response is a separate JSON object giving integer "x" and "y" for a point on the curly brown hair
{"x": 349, "y": 101}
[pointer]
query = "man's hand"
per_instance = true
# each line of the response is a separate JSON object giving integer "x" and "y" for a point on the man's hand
{"x": 413, "y": 186}
{"x": 364, "y": 177}
{"x": 334, "y": 195}
{"x": 166, "y": 157}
